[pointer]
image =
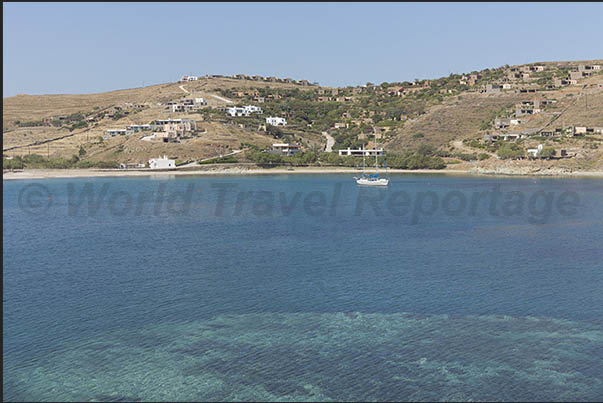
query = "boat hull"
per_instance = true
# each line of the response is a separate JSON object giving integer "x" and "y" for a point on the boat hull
{"x": 372, "y": 182}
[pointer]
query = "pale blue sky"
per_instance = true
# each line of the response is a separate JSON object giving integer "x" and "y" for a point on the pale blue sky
{"x": 52, "y": 48}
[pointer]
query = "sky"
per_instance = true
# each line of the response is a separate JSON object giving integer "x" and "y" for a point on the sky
{"x": 58, "y": 48}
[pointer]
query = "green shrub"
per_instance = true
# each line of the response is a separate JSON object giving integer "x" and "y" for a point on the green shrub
{"x": 106, "y": 164}
{"x": 465, "y": 157}
{"x": 547, "y": 152}
{"x": 15, "y": 163}
{"x": 218, "y": 160}
{"x": 78, "y": 125}
{"x": 33, "y": 123}
{"x": 510, "y": 151}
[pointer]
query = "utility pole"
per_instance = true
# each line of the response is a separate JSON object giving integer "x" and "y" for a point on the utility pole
{"x": 48, "y": 152}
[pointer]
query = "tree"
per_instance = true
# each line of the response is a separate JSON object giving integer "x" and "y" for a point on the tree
{"x": 548, "y": 152}
{"x": 426, "y": 150}
{"x": 510, "y": 151}
{"x": 274, "y": 131}
{"x": 82, "y": 152}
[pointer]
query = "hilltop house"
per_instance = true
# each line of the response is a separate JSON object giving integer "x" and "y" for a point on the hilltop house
{"x": 188, "y": 78}
{"x": 577, "y": 75}
{"x": 160, "y": 123}
{"x": 186, "y": 105}
{"x": 561, "y": 82}
{"x": 116, "y": 132}
{"x": 473, "y": 79}
{"x": 243, "y": 111}
{"x": 137, "y": 128}
{"x": 588, "y": 68}
{"x": 490, "y": 88}
{"x": 276, "y": 121}
{"x": 502, "y": 123}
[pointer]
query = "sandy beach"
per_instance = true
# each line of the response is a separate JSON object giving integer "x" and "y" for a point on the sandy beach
{"x": 85, "y": 173}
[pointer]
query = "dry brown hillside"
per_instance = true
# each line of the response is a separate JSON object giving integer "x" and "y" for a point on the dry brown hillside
{"x": 215, "y": 137}
{"x": 457, "y": 118}
{"x": 463, "y": 112}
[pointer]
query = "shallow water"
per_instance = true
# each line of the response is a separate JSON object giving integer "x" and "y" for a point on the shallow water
{"x": 270, "y": 298}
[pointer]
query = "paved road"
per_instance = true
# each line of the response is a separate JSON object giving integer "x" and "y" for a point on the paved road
{"x": 330, "y": 142}
{"x": 184, "y": 89}
{"x": 196, "y": 163}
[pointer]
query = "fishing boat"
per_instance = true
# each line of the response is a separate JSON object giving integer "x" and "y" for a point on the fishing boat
{"x": 372, "y": 179}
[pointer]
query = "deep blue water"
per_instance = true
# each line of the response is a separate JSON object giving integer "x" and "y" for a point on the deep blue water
{"x": 195, "y": 299}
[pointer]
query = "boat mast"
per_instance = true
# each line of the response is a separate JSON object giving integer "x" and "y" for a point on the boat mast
{"x": 376, "y": 161}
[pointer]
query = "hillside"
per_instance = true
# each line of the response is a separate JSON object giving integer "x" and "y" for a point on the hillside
{"x": 453, "y": 114}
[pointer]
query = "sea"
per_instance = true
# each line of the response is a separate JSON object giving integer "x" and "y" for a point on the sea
{"x": 302, "y": 287}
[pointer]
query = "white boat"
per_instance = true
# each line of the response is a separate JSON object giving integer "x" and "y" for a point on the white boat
{"x": 369, "y": 180}
{"x": 373, "y": 179}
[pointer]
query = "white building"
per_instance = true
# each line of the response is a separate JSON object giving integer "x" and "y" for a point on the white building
{"x": 533, "y": 152}
{"x": 189, "y": 125}
{"x": 580, "y": 130}
{"x": 276, "y": 121}
{"x": 177, "y": 108}
{"x": 286, "y": 149}
{"x": 243, "y": 111}
{"x": 369, "y": 152}
{"x": 253, "y": 109}
{"x": 115, "y": 132}
{"x": 237, "y": 111}
{"x": 161, "y": 163}
{"x": 189, "y": 78}
{"x": 138, "y": 128}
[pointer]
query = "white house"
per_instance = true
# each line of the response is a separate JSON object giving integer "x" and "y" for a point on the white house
{"x": 138, "y": 128}
{"x": 161, "y": 163}
{"x": 276, "y": 121}
{"x": 237, "y": 111}
{"x": 189, "y": 125}
{"x": 115, "y": 132}
{"x": 286, "y": 149}
{"x": 253, "y": 109}
{"x": 243, "y": 111}
{"x": 533, "y": 152}
{"x": 580, "y": 130}
{"x": 189, "y": 78}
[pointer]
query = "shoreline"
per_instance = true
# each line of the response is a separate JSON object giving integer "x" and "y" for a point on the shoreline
{"x": 29, "y": 174}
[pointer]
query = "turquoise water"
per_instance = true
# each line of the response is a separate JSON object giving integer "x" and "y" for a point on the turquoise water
{"x": 338, "y": 293}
